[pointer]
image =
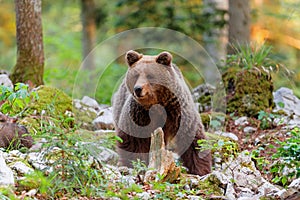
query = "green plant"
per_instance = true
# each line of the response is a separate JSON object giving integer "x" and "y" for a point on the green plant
{"x": 73, "y": 169}
{"x": 251, "y": 56}
{"x": 139, "y": 167}
{"x": 7, "y": 193}
{"x": 260, "y": 161}
{"x": 122, "y": 191}
{"x": 15, "y": 99}
{"x": 35, "y": 180}
{"x": 267, "y": 119}
{"x": 220, "y": 148}
{"x": 287, "y": 159}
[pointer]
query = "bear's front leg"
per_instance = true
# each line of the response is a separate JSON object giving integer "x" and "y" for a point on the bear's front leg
{"x": 197, "y": 162}
{"x": 132, "y": 148}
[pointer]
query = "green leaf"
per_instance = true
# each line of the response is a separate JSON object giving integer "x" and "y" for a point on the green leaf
{"x": 280, "y": 104}
{"x": 11, "y": 97}
{"x": 284, "y": 180}
{"x": 274, "y": 169}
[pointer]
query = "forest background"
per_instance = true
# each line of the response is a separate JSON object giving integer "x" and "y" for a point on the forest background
{"x": 275, "y": 23}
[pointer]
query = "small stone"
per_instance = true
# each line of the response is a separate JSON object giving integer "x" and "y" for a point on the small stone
{"x": 245, "y": 192}
{"x": 285, "y": 100}
{"x": 232, "y": 136}
{"x": 104, "y": 120}
{"x": 143, "y": 195}
{"x": 128, "y": 180}
{"x": 77, "y": 104}
{"x": 194, "y": 182}
{"x": 4, "y": 80}
{"x": 193, "y": 197}
{"x": 249, "y": 129}
{"x": 31, "y": 193}
{"x": 90, "y": 102}
{"x": 242, "y": 121}
{"x": 295, "y": 184}
{"x": 186, "y": 188}
{"x": 36, "y": 160}
{"x": 21, "y": 168}
{"x": 101, "y": 153}
{"x": 6, "y": 174}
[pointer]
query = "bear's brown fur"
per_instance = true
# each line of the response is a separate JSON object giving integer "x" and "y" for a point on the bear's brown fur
{"x": 154, "y": 94}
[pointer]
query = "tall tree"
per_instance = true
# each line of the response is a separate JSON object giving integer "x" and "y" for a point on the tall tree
{"x": 88, "y": 18}
{"x": 30, "y": 50}
{"x": 239, "y": 23}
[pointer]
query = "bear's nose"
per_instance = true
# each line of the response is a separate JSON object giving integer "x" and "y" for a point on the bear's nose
{"x": 138, "y": 91}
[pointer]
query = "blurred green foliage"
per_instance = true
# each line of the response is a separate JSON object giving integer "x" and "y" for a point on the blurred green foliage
{"x": 62, "y": 36}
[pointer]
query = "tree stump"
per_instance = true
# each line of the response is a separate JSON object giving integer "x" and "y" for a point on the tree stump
{"x": 161, "y": 160}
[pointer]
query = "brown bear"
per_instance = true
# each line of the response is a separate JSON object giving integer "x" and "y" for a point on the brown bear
{"x": 154, "y": 94}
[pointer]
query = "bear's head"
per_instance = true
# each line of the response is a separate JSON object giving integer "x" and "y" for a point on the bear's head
{"x": 149, "y": 77}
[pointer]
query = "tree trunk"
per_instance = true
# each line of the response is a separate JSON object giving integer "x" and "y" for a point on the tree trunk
{"x": 88, "y": 19}
{"x": 216, "y": 38}
{"x": 30, "y": 51}
{"x": 239, "y": 23}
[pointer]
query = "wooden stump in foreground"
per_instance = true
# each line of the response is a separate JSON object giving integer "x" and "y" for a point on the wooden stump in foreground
{"x": 161, "y": 160}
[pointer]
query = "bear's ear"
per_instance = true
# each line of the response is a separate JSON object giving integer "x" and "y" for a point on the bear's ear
{"x": 164, "y": 58}
{"x": 132, "y": 57}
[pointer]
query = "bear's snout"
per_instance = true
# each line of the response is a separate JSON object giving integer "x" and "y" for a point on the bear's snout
{"x": 138, "y": 91}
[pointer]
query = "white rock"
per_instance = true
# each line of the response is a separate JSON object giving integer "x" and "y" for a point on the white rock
{"x": 294, "y": 122}
{"x": 6, "y": 174}
{"x": 31, "y": 193}
{"x": 104, "y": 120}
{"x": 4, "y": 80}
{"x": 242, "y": 121}
{"x": 268, "y": 189}
{"x": 101, "y": 153}
{"x": 90, "y": 102}
{"x": 249, "y": 129}
{"x": 143, "y": 196}
{"x": 230, "y": 192}
{"x": 77, "y": 104}
{"x": 295, "y": 184}
{"x": 245, "y": 193}
{"x": 227, "y": 134}
{"x": 21, "y": 168}
{"x": 111, "y": 172}
{"x": 290, "y": 101}
{"x": 36, "y": 160}
{"x": 193, "y": 197}
{"x": 127, "y": 180}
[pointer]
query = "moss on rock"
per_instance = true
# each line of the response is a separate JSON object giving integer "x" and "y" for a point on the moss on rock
{"x": 51, "y": 102}
{"x": 51, "y": 108}
{"x": 248, "y": 91}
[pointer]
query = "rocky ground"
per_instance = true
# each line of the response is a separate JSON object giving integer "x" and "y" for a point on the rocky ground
{"x": 240, "y": 176}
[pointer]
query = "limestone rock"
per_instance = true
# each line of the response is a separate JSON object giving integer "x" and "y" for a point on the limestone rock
{"x": 6, "y": 174}
{"x": 101, "y": 153}
{"x": 21, "y": 168}
{"x": 4, "y": 80}
{"x": 232, "y": 136}
{"x": 285, "y": 97}
{"x": 242, "y": 121}
{"x": 90, "y": 102}
{"x": 104, "y": 119}
{"x": 249, "y": 129}
{"x": 202, "y": 95}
